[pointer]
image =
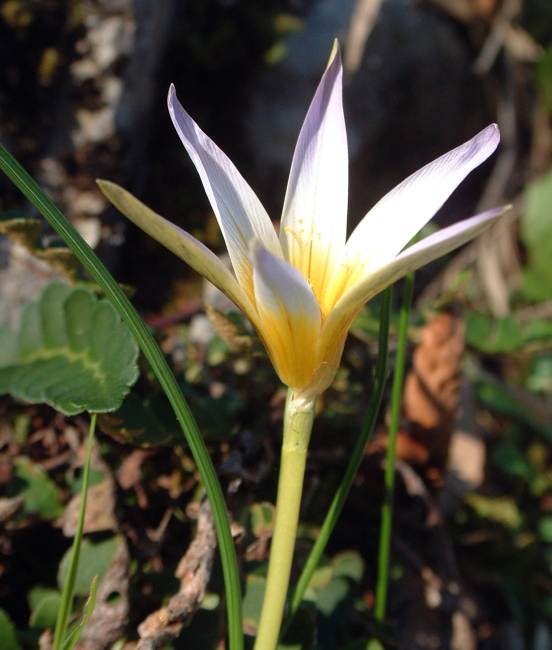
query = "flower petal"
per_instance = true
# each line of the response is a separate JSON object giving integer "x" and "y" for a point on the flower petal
{"x": 314, "y": 219}
{"x": 192, "y": 251}
{"x": 290, "y": 315}
{"x": 392, "y": 222}
{"x": 412, "y": 258}
{"x": 239, "y": 212}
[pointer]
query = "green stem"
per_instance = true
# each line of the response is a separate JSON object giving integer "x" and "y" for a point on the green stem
{"x": 389, "y": 477}
{"x": 298, "y": 420}
{"x": 66, "y": 605}
{"x": 352, "y": 469}
{"x": 166, "y": 379}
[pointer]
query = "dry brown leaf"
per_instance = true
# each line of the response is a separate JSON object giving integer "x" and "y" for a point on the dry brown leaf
{"x": 9, "y": 506}
{"x": 100, "y": 500}
{"x": 100, "y": 506}
{"x": 231, "y": 333}
{"x": 129, "y": 472}
{"x": 432, "y": 387}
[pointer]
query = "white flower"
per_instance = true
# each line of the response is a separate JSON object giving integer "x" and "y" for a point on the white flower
{"x": 302, "y": 290}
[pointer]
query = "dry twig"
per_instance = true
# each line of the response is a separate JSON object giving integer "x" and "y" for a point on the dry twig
{"x": 163, "y": 626}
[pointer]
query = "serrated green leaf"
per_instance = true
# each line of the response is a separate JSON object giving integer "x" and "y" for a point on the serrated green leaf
{"x": 72, "y": 352}
{"x": 8, "y": 345}
{"x": 40, "y": 494}
{"x": 7, "y": 633}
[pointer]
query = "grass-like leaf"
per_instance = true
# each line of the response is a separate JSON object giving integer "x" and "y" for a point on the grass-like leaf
{"x": 75, "y": 635}
{"x": 151, "y": 350}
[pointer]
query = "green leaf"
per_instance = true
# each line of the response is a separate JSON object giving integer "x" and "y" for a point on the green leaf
{"x": 536, "y": 234}
{"x": 215, "y": 416}
{"x": 374, "y": 644}
{"x": 512, "y": 461}
{"x": 262, "y": 516}
{"x": 152, "y": 422}
{"x": 44, "y": 603}
{"x": 540, "y": 374}
{"x": 329, "y": 597}
{"x": 95, "y": 559}
{"x": 348, "y": 564}
{"x": 545, "y": 528}
{"x": 148, "y": 423}
{"x": 7, "y": 633}
{"x": 503, "y": 510}
{"x": 253, "y": 602}
{"x": 502, "y": 399}
{"x": 71, "y": 351}
{"x": 8, "y": 345}
{"x": 321, "y": 577}
{"x": 40, "y": 494}
{"x": 544, "y": 78}
{"x": 493, "y": 336}
{"x": 75, "y": 635}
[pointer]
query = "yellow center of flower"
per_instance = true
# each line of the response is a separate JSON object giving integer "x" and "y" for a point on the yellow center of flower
{"x": 301, "y": 257}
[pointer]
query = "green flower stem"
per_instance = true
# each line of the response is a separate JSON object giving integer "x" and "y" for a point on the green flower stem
{"x": 153, "y": 354}
{"x": 356, "y": 458}
{"x": 389, "y": 477}
{"x": 66, "y": 605}
{"x": 298, "y": 420}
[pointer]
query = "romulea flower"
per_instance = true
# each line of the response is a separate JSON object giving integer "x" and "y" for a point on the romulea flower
{"x": 302, "y": 289}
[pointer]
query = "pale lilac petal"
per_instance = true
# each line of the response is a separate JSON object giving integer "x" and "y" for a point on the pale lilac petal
{"x": 181, "y": 243}
{"x": 421, "y": 253}
{"x": 394, "y": 221}
{"x": 314, "y": 218}
{"x": 239, "y": 212}
{"x": 289, "y": 313}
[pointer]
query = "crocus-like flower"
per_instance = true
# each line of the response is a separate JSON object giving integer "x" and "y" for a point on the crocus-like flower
{"x": 302, "y": 289}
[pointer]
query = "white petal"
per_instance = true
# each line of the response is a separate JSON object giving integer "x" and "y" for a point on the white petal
{"x": 192, "y": 251}
{"x": 314, "y": 219}
{"x": 239, "y": 212}
{"x": 392, "y": 222}
{"x": 412, "y": 258}
{"x": 289, "y": 313}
